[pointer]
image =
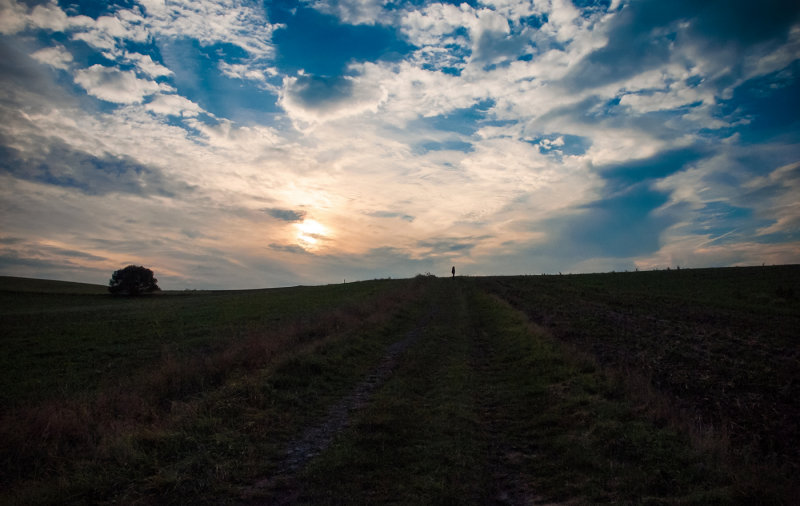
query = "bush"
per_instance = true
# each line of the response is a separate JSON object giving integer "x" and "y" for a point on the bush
{"x": 133, "y": 280}
{"x": 426, "y": 275}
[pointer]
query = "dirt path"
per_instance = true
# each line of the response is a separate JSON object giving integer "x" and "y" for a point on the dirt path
{"x": 283, "y": 487}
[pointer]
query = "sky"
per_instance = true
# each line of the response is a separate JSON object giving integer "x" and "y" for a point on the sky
{"x": 246, "y": 144}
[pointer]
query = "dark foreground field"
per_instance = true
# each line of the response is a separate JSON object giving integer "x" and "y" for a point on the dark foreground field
{"x": 671, "y": 387}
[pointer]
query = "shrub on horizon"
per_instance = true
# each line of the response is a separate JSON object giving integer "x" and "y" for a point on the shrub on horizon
{"x": 133, "y": 280}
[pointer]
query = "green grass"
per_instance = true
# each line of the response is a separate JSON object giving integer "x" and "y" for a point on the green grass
{"x": 770, "y": 288}
{"x": 586, "y": 441}
{"x": 152, "y": 421}
{"x": 14, "y": 284}
{"x": 419, "y": 442}
{"x": 483, "y": 410}
{"x": 62, "y": 343}
{"x": 711, "y": 351}
{"x": 566, "y": 389}
{"x": 221, "y": 443}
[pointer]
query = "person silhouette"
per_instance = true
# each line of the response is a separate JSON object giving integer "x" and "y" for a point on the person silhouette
{"x": 453, "y": 270}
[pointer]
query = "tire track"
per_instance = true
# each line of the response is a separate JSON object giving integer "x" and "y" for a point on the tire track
{"x": 284, "y": 487}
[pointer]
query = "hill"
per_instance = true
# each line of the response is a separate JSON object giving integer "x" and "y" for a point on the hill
{"x": 15, "y": 284}
{"x": 641, "y": 387}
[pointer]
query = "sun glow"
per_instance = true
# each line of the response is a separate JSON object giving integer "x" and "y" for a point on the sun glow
{"x": 310, "y": 232}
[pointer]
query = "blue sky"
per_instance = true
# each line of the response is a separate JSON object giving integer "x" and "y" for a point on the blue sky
{"x": 239, "y": 144}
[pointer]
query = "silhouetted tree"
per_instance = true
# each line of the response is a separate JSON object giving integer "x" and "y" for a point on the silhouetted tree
{"x": 133, "y": 280}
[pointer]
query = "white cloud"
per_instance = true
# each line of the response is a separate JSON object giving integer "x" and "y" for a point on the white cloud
{"x": 56, "y": 56}
{"x": 112, "y": 85}
{"x": 378, "y": 144}
{"x": 696, "y": 251}
{"x": 12, "y": 17}
{"x": 108, "y": 33}
{"x": 236, "y": 22}
{"x": 251, "y": 71}
{"x": 563, "y": 20}
{"x": 146, "y": 65}
{"x": 413, "y": 92}
{"x": 552, "y": 143}
{"x": 173, "y": 105}
{"x": 667, "y": 95}
{"x": 16, "y": 16}
{"x": 354, "y": 12}
{"x": 309, "y": 100}
{"x": 427, "y": 26}
{"x": 50, "y": 17}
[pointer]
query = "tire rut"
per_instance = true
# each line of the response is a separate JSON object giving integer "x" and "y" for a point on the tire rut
{"x": 284, "y": 487}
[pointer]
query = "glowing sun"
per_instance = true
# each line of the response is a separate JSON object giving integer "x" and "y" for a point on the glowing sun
{"x": 309, "y": 232}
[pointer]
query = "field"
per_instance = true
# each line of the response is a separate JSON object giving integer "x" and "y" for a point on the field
{"x": 669, "y": 387}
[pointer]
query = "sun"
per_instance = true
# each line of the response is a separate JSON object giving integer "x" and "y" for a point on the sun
{"x": 310, "y": 232}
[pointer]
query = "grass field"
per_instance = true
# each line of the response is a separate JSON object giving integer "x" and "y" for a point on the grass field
{"x": 670, "y": 387}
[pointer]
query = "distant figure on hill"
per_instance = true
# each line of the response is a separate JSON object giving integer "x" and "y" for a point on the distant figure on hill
{"x": 453, "y": 270}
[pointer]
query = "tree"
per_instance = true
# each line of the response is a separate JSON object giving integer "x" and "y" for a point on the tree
{"x": 133, "y": 280}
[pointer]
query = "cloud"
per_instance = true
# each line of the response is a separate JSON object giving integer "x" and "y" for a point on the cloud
{"x": 320, "y": 92}
{"x": 352, "y": 11}
{"x": 208, "y": 21}
{"x": 108, "y": 33}
{"x": 731, "y": 198}
{"x": 390, "y": 214}
{"x": 113, "y": 85}
{"x": 289, "y": 248}
{"x": 58, "y": 164}
{"x": 621, "y": 176}
{"x": 450, "y": 245}
{"x": 211, "y": 22}
{"x": 16, "y": 17}
{"x": 146, "y": 65}
{"x": 311, "y": 99}
{"x": 286, "y": 214}
{"x": 712, "y": 39}
{"x": 12, "y": 17}
{"x": 56, "y": 56}
{"x": 173, "y": 105}
{"x": 511, "y": 136}
{"x": 376, "y": 263}
{"x": 740, "y": 22}
{"x": 619, "y": 226}
{"x": 245, "y": 71}
{"x": 427, "y": 26}
{"x": 696, "y": 252}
